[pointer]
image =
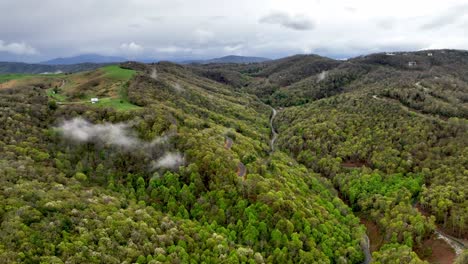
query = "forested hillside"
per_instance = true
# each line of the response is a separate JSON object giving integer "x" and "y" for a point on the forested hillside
{"x": 159, "y": 184}
{"x": 173, "y": 163}
{"x": 392, "y": 137}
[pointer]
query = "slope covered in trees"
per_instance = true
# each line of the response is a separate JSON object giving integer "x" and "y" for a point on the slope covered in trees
{"x": 69, "y": 198}
{"x": 148, "y": 177}
{"x": 389, "y": 135}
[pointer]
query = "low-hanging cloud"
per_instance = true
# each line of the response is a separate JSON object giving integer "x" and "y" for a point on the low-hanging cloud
{"x": 170, "y": 160}
{"x": 321, "y": 76}
{"x": 17, "y": 48}
{"x": 178, "y": 88}
{"x": 296, "y": 22}
{"x": 119, "y": 134}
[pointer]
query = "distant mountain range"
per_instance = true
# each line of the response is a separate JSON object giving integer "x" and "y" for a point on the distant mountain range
{"x": 92, "y": 61}
{"x": 85, "y": 58}
{"x": 96, "y": 58}
{"x": 228, "y": 59}
{"x": 26, "y": 68}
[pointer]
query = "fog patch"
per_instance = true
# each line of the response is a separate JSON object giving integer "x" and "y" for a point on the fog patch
{"x": 170, "y": 160}
{"x": 118, "y": 134}
{"x": 55, "y": 72}
{"x": 178, "y": 88}
{"x": 321, "y": 76}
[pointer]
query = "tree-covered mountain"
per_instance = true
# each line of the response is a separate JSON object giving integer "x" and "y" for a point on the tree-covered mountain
{"x": 232, "y": 59}
{"x": 173, "y": 164}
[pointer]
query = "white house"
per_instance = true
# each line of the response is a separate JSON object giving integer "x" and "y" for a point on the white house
{"x": 94, "y": 100}
{"x": 411, "y": 63}
{"x": 429, "y": 54}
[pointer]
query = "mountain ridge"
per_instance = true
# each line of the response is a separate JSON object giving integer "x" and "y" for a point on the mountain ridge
{"x": 32, "y": 68}
{"x": 84, "y": 58}
{"x": 229, "y": 59}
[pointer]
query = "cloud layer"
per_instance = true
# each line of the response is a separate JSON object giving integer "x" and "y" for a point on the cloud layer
{"x": 209, "y": 28}
{"x": 446, "y": 17}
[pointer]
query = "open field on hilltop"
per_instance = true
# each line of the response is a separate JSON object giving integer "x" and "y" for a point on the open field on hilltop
{"x": 109, "y": 84}
{"x": 9, "y": 77}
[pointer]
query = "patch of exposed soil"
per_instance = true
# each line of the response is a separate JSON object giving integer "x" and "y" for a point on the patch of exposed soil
{"x": 436, "y": 250}
{"x": 353, "y": 164}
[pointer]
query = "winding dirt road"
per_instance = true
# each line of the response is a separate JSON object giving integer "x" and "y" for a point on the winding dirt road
{"x": 457, "y": 246}
{"x": 241, "y": 170}
{"x": 365, "y": 243}
{"x": 228, "y": 143}
{"x": 273, "y": 131}
{"x": 365, "y": 246}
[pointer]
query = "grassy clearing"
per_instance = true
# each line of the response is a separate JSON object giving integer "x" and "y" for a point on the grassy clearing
{"x": 116, "y": 103}
{"x": 57, "y": 96}
{"x": 117, "y": 73}
{"x": 9, "y": 77}
{"x": 110, "y": 76}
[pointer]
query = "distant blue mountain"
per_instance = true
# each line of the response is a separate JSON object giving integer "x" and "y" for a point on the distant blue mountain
{"x": 85, "y": 58}
{"x": 229, "y": 59}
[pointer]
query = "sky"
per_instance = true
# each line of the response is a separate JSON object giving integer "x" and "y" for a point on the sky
{"x": 33, "y": 31}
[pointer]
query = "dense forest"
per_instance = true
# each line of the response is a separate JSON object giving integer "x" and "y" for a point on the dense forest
{"x": 173, "y": 163}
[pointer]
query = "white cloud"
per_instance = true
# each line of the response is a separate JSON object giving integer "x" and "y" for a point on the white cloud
{"x": 233, "y": 48}
{"x": 131, "y": 48}
{"x": 296, "y": 22}
{"x": 17, "y": 48}
{"x": 446, "y": 17}
{"x": 81, "y": 130}
{"x": 170, "y": 160}
{"x": 203, "y": 36}
{"x": 173, "y": 49}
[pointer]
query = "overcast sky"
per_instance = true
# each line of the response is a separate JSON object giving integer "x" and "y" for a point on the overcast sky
{"x": 33, "y": 30}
